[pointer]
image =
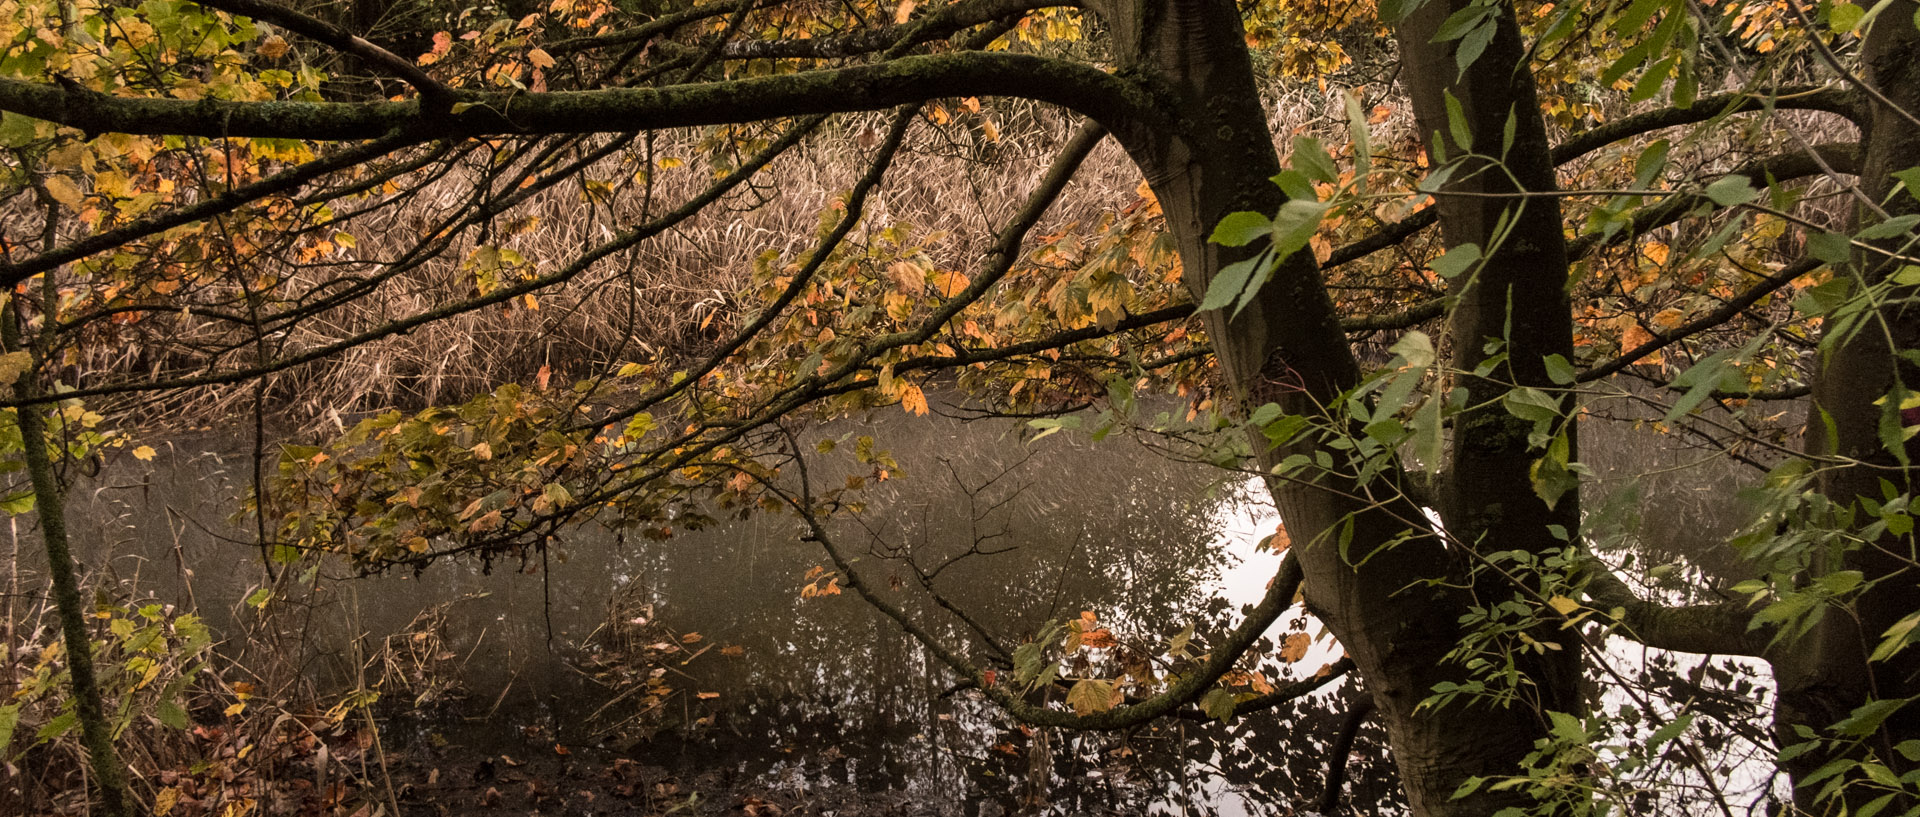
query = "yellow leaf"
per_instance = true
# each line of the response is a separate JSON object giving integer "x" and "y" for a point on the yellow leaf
{"x": 1089, "y": 696}
{"x": 143, "y": 453}
{"x": 65, "y": 191}
{"x": 236, "y": 709}
{"x": 165, "y": 800}
{"x": 1563, "y": 605}
{"x": 13, "y": 364}
{"x": 913, "y": 399}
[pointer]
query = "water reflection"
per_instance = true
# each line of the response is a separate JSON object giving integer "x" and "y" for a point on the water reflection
{"x": 821, "y": 693}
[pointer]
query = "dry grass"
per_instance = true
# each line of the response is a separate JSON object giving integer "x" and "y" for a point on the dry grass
{"x": 670, "y": 298}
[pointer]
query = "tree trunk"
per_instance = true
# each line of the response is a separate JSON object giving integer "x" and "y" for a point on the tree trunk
{"x": 50, "y": 508}
{"x": 1287, "y": 348}
{"x": 1826, "y": 675}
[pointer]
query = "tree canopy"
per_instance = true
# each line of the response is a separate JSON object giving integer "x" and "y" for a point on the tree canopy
{"x": 1491, "y": 223}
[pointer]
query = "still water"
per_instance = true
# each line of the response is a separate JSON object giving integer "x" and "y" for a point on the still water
{"x": 785, "y": 691}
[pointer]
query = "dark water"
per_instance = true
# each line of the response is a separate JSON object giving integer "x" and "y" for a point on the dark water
{"x": 807, "y": 693}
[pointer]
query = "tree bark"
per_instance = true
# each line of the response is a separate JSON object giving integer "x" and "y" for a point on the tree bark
{"x": 1826, "y": 674}
{"x": 110, "y": 783}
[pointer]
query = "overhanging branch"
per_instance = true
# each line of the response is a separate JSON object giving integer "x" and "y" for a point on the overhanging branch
{"x": 1720, "y": 629}
{"x": 1103, "y": 97}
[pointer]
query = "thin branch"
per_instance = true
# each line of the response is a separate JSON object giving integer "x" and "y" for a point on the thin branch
{"x": 1726, "y": 312}
{"x": 1819, "y": 99}
{"x": 501, "y": 295}
{"x": 1843, "y": 157}
{"x": 340, "y": 40}
{"x": 13, "y": 272}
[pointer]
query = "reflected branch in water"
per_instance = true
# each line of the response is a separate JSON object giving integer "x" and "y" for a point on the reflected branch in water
{"x": 1179, "y": 694}
{"x": 1341, "y": 750}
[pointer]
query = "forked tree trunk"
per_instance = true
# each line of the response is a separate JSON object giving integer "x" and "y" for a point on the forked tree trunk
{"x": 1287, "y": 348}
{"x": 1825, "y": 675}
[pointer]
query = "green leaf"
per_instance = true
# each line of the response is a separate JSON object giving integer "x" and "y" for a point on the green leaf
{"x": 1218, "y": 703}
{"x": 1415, "y": 348}
{"x": 1177, "y": 645}
{"x": 1910, "y": 179}
{"x": 1295, "y": 225}
{"x": 1429, "y": 440}
{"x": 1636, "y": 16}
{"x": 1228, "y": 283}
{"x": 1686, "y": 85}
{"x": 1455, "y": 261}
{"x": 1311, "y": 157}
{"x": 1668, "y": 732}
{"x": 1532, "y": 405}
{"x": 1880, "y": 803}
{"x": 16, "y": 130}
{"x": 172, "y": 716}
{"x": 1909, "y": 749}
{"x": 1457, "y": 122}
{"x": 1241, "y": 229}
{"x": 1891, "y": 228}
{"x": 1472, "y": 785}
{"x": 1832, "y": 248}
{"x": 1362, "y": 145}
{"x": 1393, "y": 11}
{"x": 9, "y": 719}
{"x": 1868, "y": 717}
{"x": 1700, "y": 381}
{"x": 1845, "y": 17}
{"x": 1633, "y": 58}
{"x": 1729, "y": 191}
{"x": 1295, "y": 184}
{"x": 59, "y": 725}
{"x": 1896, "y": 638}
{"x": 1559, "y": 370}
{"x": 1655, "y": 77}
{"x": 1473, "y": 45}
{"x": 1460, "y": 22}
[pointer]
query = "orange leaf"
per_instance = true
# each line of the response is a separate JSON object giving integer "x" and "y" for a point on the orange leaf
{"x": 1296, "y": 647}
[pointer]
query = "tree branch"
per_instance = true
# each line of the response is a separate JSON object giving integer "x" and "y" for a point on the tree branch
{"x": 1712, "y": 319}
{"x": 501, "y": 295}
{"x": 949, "y": 21}
{"x": 12, "y": 273}
{"x": 1841, "y": 157}
{"x": 1819, "y": 99}
{"x": 1701, "y": 628}
{"x": 340, "y": 40}
{"x": 1341, "y": 750}
{"x": 1104, "y": 97}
